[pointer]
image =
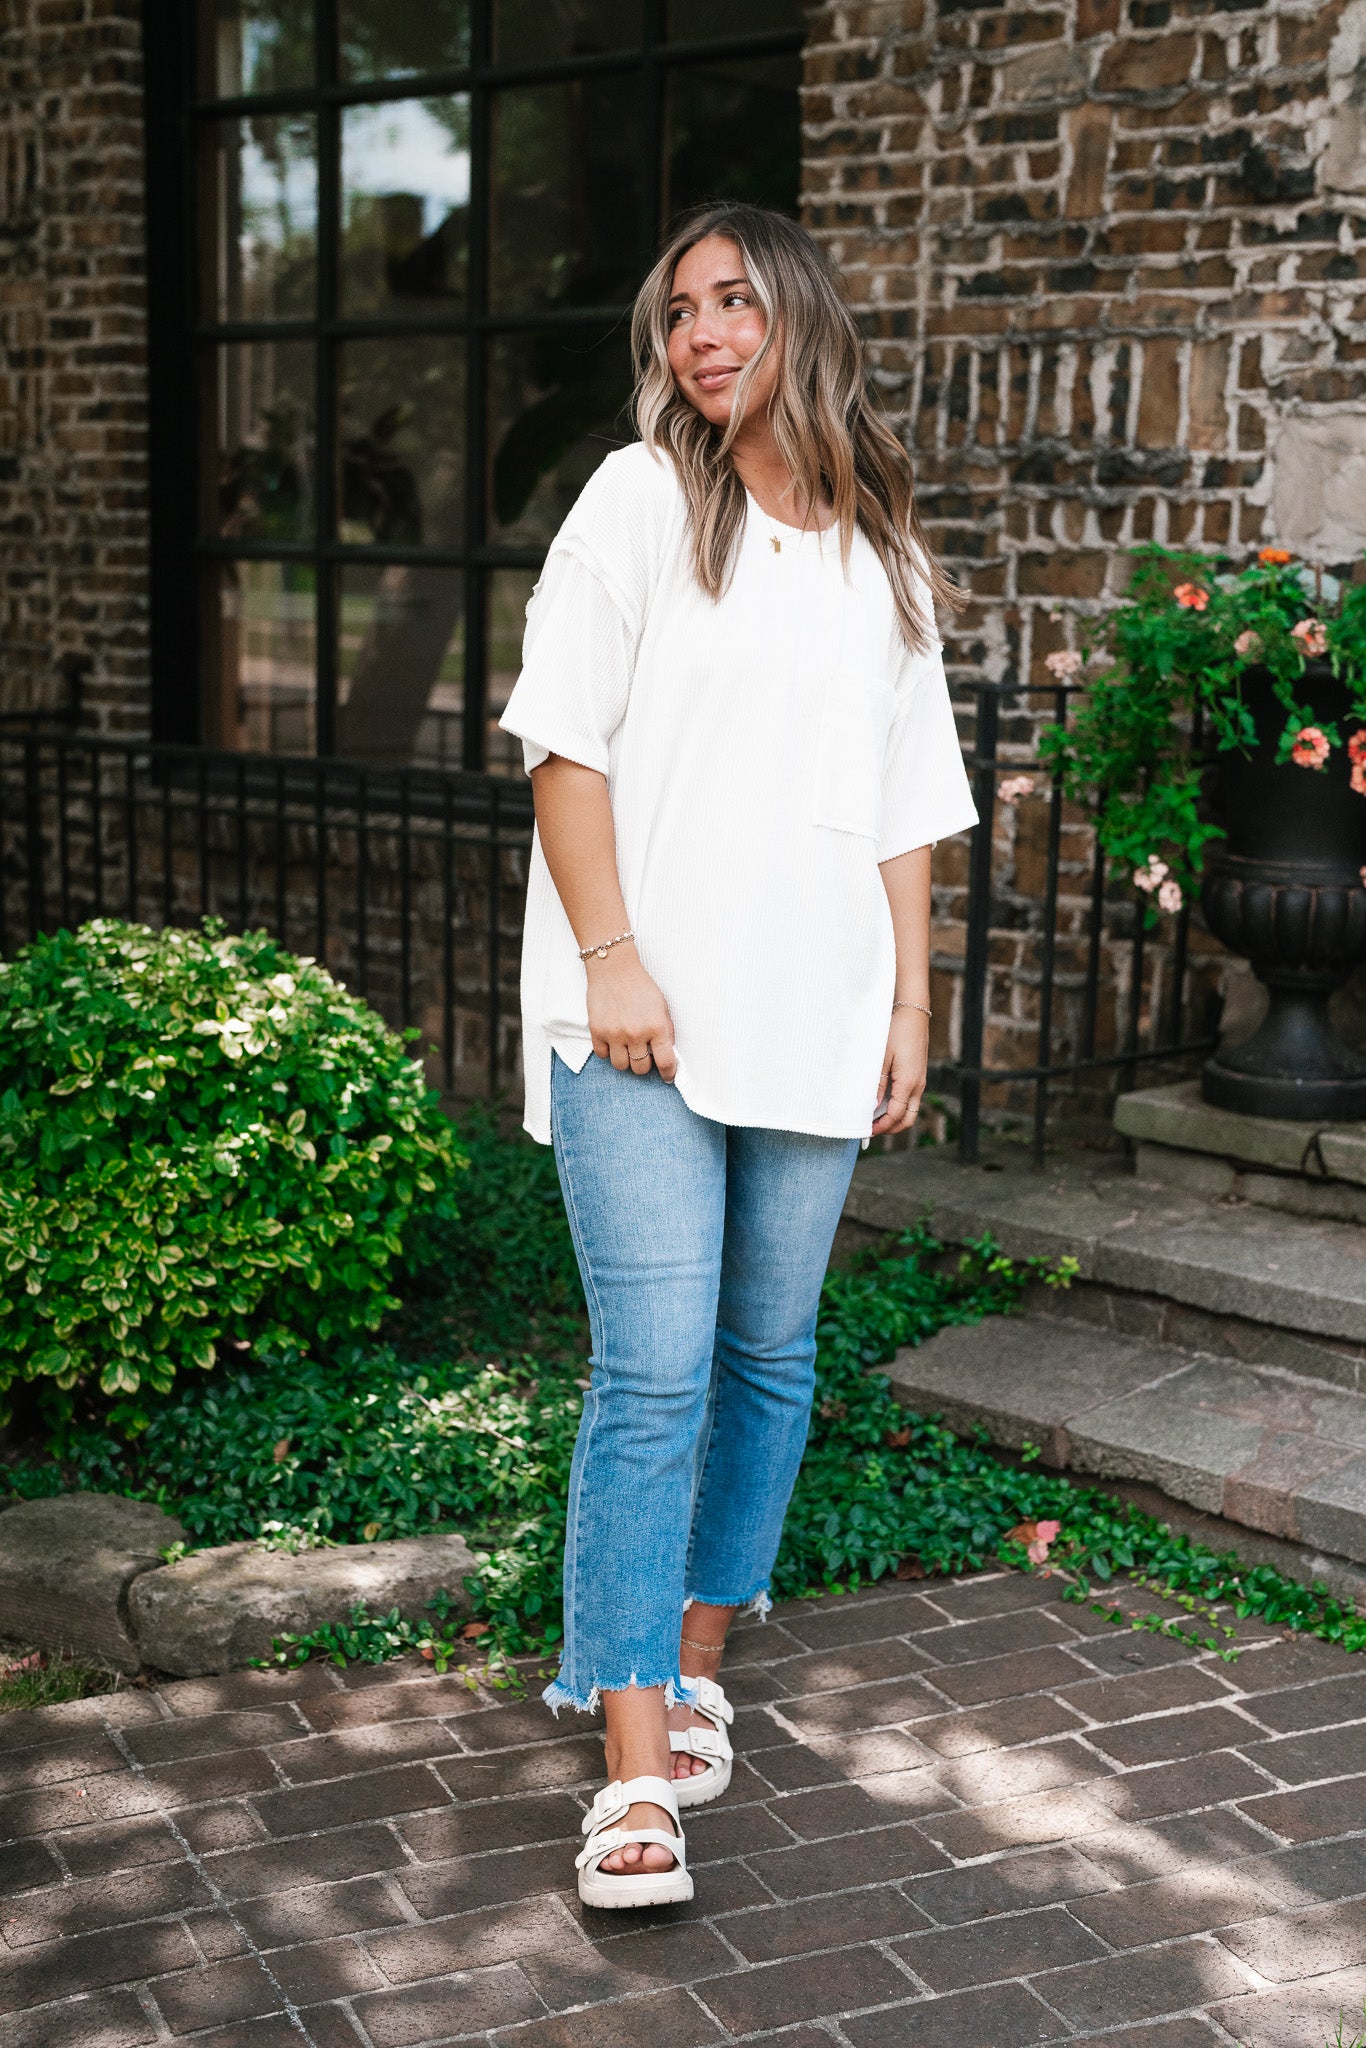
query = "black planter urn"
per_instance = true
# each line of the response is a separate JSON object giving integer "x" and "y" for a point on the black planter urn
{"x": 1285, "y": 891}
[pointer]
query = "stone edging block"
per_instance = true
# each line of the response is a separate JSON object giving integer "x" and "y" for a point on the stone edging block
{"x": 83, "y": 1572}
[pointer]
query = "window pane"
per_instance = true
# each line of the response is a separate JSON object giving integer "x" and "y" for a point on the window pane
{"x": 733, "y": 133}
{"x": 559, "y": 406}
{"x": 405, "y": 205}
{"x": 394, "y": 38}
{"x": 401, "y": 666}
{"x": 260, "y": 208}
{"x": 266, "y": 667}
{"x": 402, "y": 478}
{"x": 509, "y": 591}
{"x": 565, "y": 189}
{"x": 265, "y": 449}
{"x": 530, "y": 31}
{"x": 256, "y": 46}
{"x": 695, "y": 21}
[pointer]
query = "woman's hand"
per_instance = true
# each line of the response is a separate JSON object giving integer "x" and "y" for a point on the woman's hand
{"x": 904, "y": 1067}
{"x": 628, "y": 1016}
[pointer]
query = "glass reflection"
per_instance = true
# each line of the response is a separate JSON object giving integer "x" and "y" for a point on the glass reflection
{"x": 266, "y": 450}
{"x": 402, "y": 464}
{"x": 509, "y": 591}
{"x": 695, "y": 21}
{"x": 559, "y": 406}
{"x": 733, "y": 132}
{"x": 266, "y": 658}
{"x": 405, "y": 206}
{"x": 401, "y": 666}
{"x": 256, "y": 46}
{"x": 395, "y": 38}
{"x": 530, "y": 31}
{"x": 566, "y": 193}
{"x": 260, "y": 189}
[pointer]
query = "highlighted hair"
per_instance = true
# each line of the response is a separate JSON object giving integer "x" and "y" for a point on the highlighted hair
{"x": 831, "y": 436}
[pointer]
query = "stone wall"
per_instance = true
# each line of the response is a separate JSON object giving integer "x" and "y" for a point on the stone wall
{"x": 1109, "y": 258}
{"x": 73, "y": 494}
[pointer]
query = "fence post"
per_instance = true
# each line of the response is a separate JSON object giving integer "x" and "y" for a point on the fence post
{"x": 978, "y": 941}
{"x": 33, "y": 835}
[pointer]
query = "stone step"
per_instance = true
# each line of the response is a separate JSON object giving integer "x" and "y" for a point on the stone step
{"x": 1226, "y": 1258}
{"x": 1262, "y": 1449}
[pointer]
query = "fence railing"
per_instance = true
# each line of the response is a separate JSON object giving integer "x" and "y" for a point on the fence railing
{"x": 407, "y": 884}
{"x": 1089, "y": 990}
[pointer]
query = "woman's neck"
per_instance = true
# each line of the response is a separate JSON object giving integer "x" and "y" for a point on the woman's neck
{"x": 765, "y": 475}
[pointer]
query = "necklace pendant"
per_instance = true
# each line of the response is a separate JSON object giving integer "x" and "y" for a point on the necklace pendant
{"x": 776, "y": 544}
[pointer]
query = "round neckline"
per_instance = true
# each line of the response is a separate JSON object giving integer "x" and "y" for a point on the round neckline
{"x": 781, "y": 525}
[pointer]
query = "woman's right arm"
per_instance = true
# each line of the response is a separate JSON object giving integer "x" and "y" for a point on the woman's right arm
{"x": 627, "y": 1014}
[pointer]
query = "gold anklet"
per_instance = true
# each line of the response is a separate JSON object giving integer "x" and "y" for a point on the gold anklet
{"x": 691, "y": 1643}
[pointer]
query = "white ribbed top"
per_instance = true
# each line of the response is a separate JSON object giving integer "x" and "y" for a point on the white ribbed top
{"x": 762, "y": 754}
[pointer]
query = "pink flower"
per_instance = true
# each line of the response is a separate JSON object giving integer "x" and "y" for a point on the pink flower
{"x": 1192, "y": 597}
{"x": 1045, "y": 1536}
{"x": 1247, "y": 644}
{"x": 1311, "y": 636}
{"x": 1014, "y": 787}
{"x": 1362, "y": 873}
{"x": 1169, "y": 896}
{"x": 1311, "y": 748}
{"x": 1063, "y": 663}
{"x": 1356, "y": 745}
{"x": 1147, "y": 878}
{"x": 1359, "y": 777}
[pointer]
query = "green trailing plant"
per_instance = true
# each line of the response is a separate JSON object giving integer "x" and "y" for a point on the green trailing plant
{"x": 1174, "y": 654}
{"x": 206, "y": 1144}
{"x": 430, "y": 1430}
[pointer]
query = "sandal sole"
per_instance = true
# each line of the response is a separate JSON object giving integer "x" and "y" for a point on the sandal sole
{"x": 708, "y": 1788}
{"x": 614, "y": 1894}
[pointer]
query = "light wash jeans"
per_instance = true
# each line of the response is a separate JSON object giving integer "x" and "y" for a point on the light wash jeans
{"x": 702, "y": 1248}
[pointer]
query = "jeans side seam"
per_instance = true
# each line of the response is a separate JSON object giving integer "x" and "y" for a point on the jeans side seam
{"x": 595, "y": 1311}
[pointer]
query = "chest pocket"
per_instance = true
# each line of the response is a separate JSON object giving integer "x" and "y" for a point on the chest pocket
{"x": 851, "y": 739}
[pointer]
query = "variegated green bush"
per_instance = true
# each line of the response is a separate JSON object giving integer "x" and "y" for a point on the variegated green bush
{"x": 204, "y": 1141}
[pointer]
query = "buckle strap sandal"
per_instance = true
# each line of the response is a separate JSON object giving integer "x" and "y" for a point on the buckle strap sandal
{"x": 602, "y": 1825}
{"x": 710, "y": 1745}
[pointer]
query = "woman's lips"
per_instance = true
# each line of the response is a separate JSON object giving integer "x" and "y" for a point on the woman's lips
{"x": 712, "y": 380}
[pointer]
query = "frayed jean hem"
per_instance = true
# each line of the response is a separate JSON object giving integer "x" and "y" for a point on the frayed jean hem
{"x": 678, "y": 1692}
{"x": 753, "y": 1603}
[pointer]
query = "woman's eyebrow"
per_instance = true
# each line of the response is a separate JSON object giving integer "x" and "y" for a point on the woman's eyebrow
{"x": 721, "y": 284}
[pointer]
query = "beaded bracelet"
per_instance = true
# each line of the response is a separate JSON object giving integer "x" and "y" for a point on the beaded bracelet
{"x": 601, "y": 951}
{"x": 913, "y": 1006}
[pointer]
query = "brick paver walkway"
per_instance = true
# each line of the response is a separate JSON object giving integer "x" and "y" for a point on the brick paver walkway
{"x": 968, "y": 1816}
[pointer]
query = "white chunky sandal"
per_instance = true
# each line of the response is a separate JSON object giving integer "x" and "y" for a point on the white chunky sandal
{"x": 710, "y": 1745}
{"x": 605, "y": 1835}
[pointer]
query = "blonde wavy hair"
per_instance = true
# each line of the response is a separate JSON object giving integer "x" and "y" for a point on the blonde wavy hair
{"x": 833, "y": 440}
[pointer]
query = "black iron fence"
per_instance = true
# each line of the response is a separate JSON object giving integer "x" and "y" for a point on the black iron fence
{"x": 409, "y": 886}
{"x": 1066, "y": 990}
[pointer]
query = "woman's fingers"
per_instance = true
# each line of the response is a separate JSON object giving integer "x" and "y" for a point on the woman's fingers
{"x": 662, "y": 1049}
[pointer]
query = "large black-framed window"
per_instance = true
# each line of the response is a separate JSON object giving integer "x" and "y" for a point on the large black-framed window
{"x": 392, "y": 245}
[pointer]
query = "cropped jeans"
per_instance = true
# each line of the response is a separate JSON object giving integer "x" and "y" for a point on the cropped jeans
{"x": 702, "y": 1248}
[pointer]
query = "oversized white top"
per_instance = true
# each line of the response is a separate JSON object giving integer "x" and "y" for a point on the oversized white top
{"x": 763, "y": 753}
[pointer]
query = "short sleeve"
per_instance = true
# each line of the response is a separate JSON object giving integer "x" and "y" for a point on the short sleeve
{"x": 925, "y": 794}
{"x": 577, "y": 659}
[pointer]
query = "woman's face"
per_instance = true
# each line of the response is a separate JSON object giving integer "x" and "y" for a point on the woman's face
{"x": 715, "y": 326}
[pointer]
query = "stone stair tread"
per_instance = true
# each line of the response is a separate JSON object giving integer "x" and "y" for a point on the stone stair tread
{"x": 1230, "y": 1258}
{"x": 1262, "y": 1448}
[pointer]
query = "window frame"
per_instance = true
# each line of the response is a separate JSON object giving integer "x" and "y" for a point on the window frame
{"x": 180, "y": 339}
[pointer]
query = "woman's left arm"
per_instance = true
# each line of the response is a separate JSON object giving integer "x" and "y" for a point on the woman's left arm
{"x": 907, "y": 882}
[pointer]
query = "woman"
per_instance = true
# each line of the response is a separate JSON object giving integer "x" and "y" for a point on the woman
{"x": 735, "y": 719}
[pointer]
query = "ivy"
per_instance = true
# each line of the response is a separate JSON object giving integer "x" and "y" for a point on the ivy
{"x": 464, "y": 1417}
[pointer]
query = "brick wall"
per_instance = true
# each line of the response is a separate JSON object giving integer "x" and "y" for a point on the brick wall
{"x": 1108, "y": 254}
{"x": 73, "y": 553}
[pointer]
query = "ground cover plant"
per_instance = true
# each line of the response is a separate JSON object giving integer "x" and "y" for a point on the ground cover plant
{"x": 464, "y": 1416}
{"x": 205, "y": 1143}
